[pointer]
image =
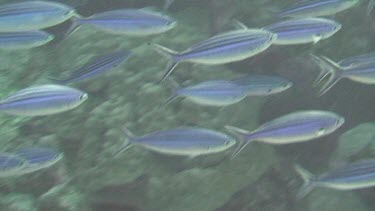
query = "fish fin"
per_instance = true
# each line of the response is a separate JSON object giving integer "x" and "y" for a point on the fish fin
{"x": 370, "y": 6}
{"x": 175, "y": 86}
{"x": 170, "y": 99}
{"x": 127, "y": 143}
{"x": 76, "y": 24}
{"x": 316, "y": 38}
{"x": 239, "y": 25}
{"x": 308, "y": 181}
{"x": 171, "y": 55}
{"x": 241, "y": 135}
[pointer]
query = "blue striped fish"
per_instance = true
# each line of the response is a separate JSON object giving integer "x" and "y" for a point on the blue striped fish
{"x": 210, "y": 93}
{"x": 349, "y": 177}
{"x": 359, "y": 72}
{"x": 42, "y": 100}
{"x": 24, "y": 40}
{"x": 38, "y": 158}
{"x": 183, "y": 141}
{"x": 315, "y": 8}
{"x": 96, "y": 66}
{"x": 134, "y": 22}
{"x": 262, "y": 85}
{"x": 10, "y": 164}
{"x": 220, "y": 49}
{"x": 303, "y": 30}
{"x": 359, "y": 59}
{"x": 295, "y": 127}
{"x": 33, "y": 15}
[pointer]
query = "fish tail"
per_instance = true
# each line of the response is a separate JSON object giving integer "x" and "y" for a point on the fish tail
{"x": 328, "y": 67}
{"x": 308, "y": 179}
{"x": 241, "y": 138}
{"x": 175, "y": 86}
{"x": 172, "y": 57}
{"x": 77, "y": 22}
{"x": 370, "y": 6}
{"x": 129, "y": 136}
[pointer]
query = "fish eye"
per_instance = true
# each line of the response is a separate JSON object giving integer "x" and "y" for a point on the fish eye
{"x": 337, "y": 122}
{"x": 286, "y": 85}
{"x": 269, "y": 90}
{"x": 321, "y": 130}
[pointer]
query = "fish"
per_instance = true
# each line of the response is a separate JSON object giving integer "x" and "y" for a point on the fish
{"x": 10, "y": 164}
{"x": 132, "y": 22}
{"x": 182, "y": 141}
{"x": 262, "y": 85}
{"x": 316, "y": 8}
{"x": 96, "y": 66}
{"x": 360, "y": 72}
{"x": 303, "y": 30}
{"x": 33, "y": 15}
{"x": 370, "y": 6}
{"x": 210, "y": 93}
{"x": 294, "y": 127}
{"x": 223, "y": 48}
{"x": 358, "y": 59}
{"x": 42, "y": 100}
{"x": 360, "y": 174}
{"x": 38, "y": 158}
{"x": 24, "y": 40}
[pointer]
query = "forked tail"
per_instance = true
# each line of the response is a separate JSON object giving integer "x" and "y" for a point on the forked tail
{"x": 129, "y": 136}
{"x": 172, "y": 57}
{"x": 242, "y": 139}
{"x": 309, "y": 181}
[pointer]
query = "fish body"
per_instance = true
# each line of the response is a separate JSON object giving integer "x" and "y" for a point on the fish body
{"x": 24, "y": 40}
{"x": 33, "y": 15}
{"x": 10, "y": 164}
{"x": 358, "y": 60}
{"x": 349, "y": 177}
{"x": 295, "y": 127}
{"x": 220, "y": 49}
{"x": 96, "y": 66}
{"x": 42, "y": 100}
{"x": 303, "y": 30}
{"x": 184, "y": 141}
{"x": 134, "y": 22}
{"x": 316, "y": 8}
{"x": 262, "y": 85}
{"x": 38, "y": 158}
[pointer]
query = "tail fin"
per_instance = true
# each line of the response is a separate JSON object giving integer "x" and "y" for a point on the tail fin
{"x": 308, "y": 179}
{"x": 175, "y": 86}
{"x": 327, "y": 67}
{"x": 241, "y": 138}
{"x": 370, "y": 6}
{"x": 127, "y": 143}
{"x": 76, "y": 24}
{"x": 171, "y": 55}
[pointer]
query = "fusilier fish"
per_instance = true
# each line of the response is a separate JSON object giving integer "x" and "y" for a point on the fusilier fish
{"x": 33, "y": 15}
{"x": 359, "y": 59}
{"x": 349, "y": 177}
{"x": 184, "y": 141}
{"x": 10, "y": 164}
{"x": 42, "y": 100}
{"x": 303, "y": 30}
{"x": 262, "y": 85}
{"x": 315, "y": 8}
{"x": 220, "y": 49}
{"x": 134, "y": 22}
{"x": 38, "y": 158}
{"x": 211, "y": 93}
{"x": 295, "y": 127}
{"x": 96, "y": 66}
{"x": 24, "y": 40}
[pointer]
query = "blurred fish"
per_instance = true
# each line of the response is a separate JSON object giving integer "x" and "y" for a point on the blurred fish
{"x": 295, "y": 127}
{"x": 360, "y": 59}
{"x": 304, "y": 30}
{"x": 24, "y": 40}
{"x": 220, "y": 49}
{"x": 360, "y": 72}
{"x": 96, "y": 66}
{"x": 135, "y": 22}
{"x": 349, "y": 177}
{"x": 211, "y": 93}
{"x": 184, "y": 141}
{"x": 32, "y": 15}
{"x": 38, "y": 158}
{"x": 10, "y": 164}
{"x": 315, "y": 8}
{"x": 370, "y": 6}
{"x": 262, "y": 85}
{"x": 42, "y": 100}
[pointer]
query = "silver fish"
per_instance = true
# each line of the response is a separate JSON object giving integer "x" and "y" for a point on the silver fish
{"x": 33, "y": 15}
{"x": 262, "y": 85}
{"x": 349, "y": 177}
{"x": 295, "y": 127}
{"x": 134, "y": 22}
{"x": 360, "y": 72}
{"x": 24, "y": 40}
{"x": 42, "y": 100}
{"x": 315, "y": 8}
{"x": 183, "y": 141}
{"x": 211, "y": 93}
{"x": 359, "y": 59}
{"x": 96, "y": 66}
{"x": 220, "y": 49}
{"x": 304, "y": 30}
{"x": 10, "y": 164}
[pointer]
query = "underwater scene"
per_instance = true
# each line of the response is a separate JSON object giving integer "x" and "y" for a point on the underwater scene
{"x": 187, "y": 105}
